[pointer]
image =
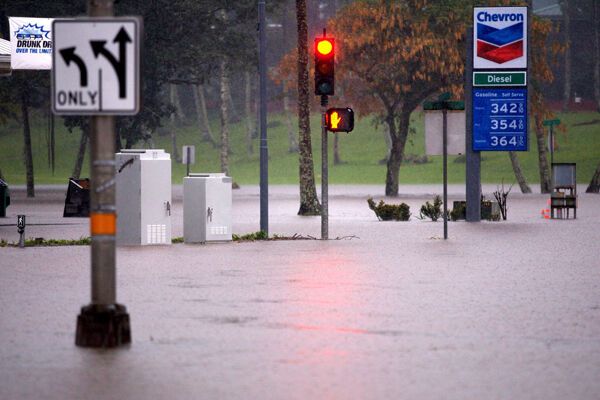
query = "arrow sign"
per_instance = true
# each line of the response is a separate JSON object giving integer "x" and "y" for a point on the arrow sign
{"x": 96, "y": 66}
{"x": 69, "y": 55}
{"x": 98, "y": 47}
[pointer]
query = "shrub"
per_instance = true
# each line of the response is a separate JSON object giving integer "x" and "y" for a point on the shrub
{"x": 389, "y": 212}
{"x": 432, "y": 211}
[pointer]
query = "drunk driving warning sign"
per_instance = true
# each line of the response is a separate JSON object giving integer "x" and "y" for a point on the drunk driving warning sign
{"x": 96, "y": 66}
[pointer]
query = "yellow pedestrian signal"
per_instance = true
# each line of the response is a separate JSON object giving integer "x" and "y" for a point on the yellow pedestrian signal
{"x": 335, "y": 120}
{"x": 339, "y": 119}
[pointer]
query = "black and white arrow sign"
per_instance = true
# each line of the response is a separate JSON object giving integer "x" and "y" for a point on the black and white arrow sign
{"x": 96, "y": 70}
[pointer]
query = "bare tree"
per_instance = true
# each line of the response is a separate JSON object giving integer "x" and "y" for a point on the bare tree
{"x": 545, "y": 182}
{"x": 594, "y": 186}
{"x": 309, "y": 203}
{"x": 173, "y": 99}
{"x": 27, "y": 153}
{"x": 250, "y": 115}
{"x": 202, "y": 115}
{"x": 292, "y": 142}
{"x": 80, "y": 154}
{"x": 224, "y": 114}
{"x": 516, "y": 166}
{"x": 564, "y": 5}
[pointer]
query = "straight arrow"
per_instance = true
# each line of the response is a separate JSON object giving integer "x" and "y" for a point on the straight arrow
{"x": 69, "y": 55}
{"x": 98, "y": 47}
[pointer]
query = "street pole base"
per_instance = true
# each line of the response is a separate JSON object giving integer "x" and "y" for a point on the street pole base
{"x": 103, "y": 326}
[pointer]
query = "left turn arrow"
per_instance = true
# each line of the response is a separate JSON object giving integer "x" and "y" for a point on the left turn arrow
{"x": 69, "y": 55}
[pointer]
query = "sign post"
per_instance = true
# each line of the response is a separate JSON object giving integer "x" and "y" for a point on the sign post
{"x": 443, "y": 103}
{"x": 21, "y": 230}
{"x": 96, "y": 73}
{"x": 551, "y": 123}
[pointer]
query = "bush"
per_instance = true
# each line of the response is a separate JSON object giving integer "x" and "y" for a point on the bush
{"x": 459, "y": 211}
{"x": 389, "y": 212}
{"x": 432, "y": 211}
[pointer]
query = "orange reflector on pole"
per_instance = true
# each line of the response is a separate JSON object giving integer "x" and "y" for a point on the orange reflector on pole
{"x": 103, "y": 224}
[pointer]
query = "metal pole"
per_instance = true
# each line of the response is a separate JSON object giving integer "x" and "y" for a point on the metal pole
{"x": 473, "y": 178}
{"x": 189, "y": 154}
{"x": 551, "y": 146}
{"x": 264, "y": 149}
{"x": 324, "y": 173}
{"x": 103, "y": 323}
{"x": 445, "y": 168}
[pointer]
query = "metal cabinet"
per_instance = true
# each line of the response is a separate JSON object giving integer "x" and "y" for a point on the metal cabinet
{"x": 143, "y": 197}
{"x": 206, "y": 208}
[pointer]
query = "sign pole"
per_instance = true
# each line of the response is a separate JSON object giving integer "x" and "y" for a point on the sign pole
{"x": 103, "y": 323}
{"x": 473, "y": 161}
{"x": 324, "y": 172}
{"x": 189, "y": 157}
{"x": 445, "y": 153}
{"x": 264, "y": 149}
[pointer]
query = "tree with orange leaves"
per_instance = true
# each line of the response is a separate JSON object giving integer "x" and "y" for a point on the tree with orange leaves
{"x": 395, "y": 55}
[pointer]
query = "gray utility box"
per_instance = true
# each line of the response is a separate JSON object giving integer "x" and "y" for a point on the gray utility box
{"x": 206, "y": 208}
{"x": 143, "y": 197}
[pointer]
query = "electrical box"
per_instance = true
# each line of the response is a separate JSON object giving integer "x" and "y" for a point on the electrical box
{"x": 143, "y": 197}
{"x": 206, "y": 208}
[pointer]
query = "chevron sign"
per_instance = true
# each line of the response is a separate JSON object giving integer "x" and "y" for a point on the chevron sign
{"x": 500, "y": 37}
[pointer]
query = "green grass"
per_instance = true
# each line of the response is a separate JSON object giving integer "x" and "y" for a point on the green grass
{"x": 360, "y": 151}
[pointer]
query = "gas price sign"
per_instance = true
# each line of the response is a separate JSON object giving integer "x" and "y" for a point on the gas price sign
{"x": 500, "y": 119}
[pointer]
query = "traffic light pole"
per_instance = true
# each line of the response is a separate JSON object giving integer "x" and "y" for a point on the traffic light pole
{"x": 324, "y": 172}
{"x": 102, "y": 323}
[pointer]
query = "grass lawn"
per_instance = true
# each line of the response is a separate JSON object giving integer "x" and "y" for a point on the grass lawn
{"x": 360, "y": 151}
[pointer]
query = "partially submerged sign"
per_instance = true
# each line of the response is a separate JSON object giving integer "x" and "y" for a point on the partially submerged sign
{"x": 96, "y": 66}
{"x": 31, "y": 43}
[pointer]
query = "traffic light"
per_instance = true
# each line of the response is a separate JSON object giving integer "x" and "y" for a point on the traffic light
{"x": 324, "y": 66}
{"x": 339, "y": 119}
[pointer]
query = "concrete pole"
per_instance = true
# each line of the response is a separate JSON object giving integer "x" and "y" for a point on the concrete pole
{"x": 264, "y": 149}
{"x": 103, "y": 323}
{"x": 473, "y": 178}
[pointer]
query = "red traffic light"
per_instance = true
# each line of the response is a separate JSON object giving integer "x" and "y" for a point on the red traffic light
{"x": 324, "y": 46}
{"x": 324, "y": 66}
{"x": 339, "y": 119}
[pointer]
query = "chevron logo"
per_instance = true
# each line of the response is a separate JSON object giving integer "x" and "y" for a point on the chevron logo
{"x": 500, "y": 45}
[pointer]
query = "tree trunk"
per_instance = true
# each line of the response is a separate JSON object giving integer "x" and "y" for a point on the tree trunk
{"x": 545, "y": 183}
{"x": 398, "y": 136}
{"x": 203, "y": 124}
{"x": 176, "y": 100}
{"x": 594, "y": 186}
{"x": 80, "y": 154}
{"x": 516, "y": 166}
{"x": 596, "y": 12}
{"x": 292, "y": 142}
{"x": 337, "y": 160}
{"x": 175, "y": 151}
{"x": 388, "y": 144}
{"x": 564, "y": 4}
{"x": 309, "y": 203}
{"x": 27, "y": 153}
{"x": 250, "y": 116}
{"x": 224, "y": 118}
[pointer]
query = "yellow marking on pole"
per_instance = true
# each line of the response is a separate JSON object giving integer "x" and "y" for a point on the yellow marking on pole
{"x": 103, "y": 224}
{"x": 335, "y": 120}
